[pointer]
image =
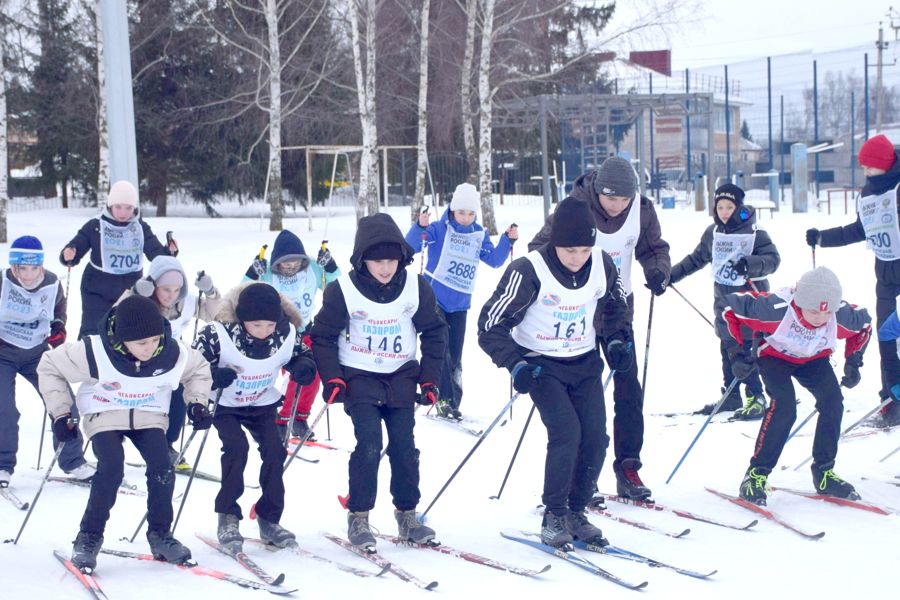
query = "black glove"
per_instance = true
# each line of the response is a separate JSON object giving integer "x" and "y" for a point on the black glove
{"x": 742, "y": 365}
{"x": 740, "y": 266}
{"x": 199, "y": 416}
{"x": 851, "y": 376}
{"x": 62, "y": 431}
{"x": 525, "y": 376}
{"x": 335, "y": 390}
{"x": 620, "y": 356}
{"x": 429, "y": 395}
{"x": 223, "y": 377}
{"x": 326, "y": 261}
{"x": 257, "y": 269}
{"x": 813, "y": 237}
{"x": 656, "y": 281}
{"x": 303, "y": 371}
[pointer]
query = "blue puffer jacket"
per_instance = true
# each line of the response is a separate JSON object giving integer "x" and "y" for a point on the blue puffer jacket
{"x": 448, "y": 299}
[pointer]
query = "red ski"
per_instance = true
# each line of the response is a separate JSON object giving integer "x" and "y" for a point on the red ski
{"x": 767, "y": 514}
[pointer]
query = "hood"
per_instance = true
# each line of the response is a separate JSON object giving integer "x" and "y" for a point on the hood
{"x": 445, "y": 218}
{"x": 287, "y": 247}
{"x": 379, "y": 229}
{"x": 743, "y": 217}
{"x": 164, "y": 263}
{"x": 227, "y": 310}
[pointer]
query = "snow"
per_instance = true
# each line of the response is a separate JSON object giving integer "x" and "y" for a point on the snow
{"x": 684, "y": 373}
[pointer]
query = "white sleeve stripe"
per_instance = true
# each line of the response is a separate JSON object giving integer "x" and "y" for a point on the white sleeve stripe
{"x": 496, "y": 311}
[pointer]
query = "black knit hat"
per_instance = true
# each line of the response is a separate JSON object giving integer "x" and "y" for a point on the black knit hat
{"x": 259, "y": 302}
{"x": 729, "y": 191}
{"x": 573, "y": 225}
{"x": 137, "y": 318}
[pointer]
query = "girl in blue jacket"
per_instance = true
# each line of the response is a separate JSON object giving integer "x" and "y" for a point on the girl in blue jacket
{"x": 457, "y": 244}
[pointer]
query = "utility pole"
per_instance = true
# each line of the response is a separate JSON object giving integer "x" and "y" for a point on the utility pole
{"x": 879, "y": 94}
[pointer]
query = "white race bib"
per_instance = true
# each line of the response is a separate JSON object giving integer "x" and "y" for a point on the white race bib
{"x": 878, "y": 215}
{"x": 459, "y": 260}
{"x": 300, "y": 288}
{"x": 25, "y": 315}
{"x": 121, "y": 247}
{"x": 255, "y": 383}
{"x": 620, "y": 244}
{"x": 794, "y": 339}
{"x": 727, "y": 249}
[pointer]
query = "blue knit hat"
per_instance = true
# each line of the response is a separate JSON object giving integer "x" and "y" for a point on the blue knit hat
{"x": 26, "y": 250}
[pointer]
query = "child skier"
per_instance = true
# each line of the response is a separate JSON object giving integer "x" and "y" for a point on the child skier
{"x": 118, "y": 240}
{"x": 741, "y": 257}
{"x": 627, "y": 229}
{"x": 799, "y": 328}
{"x": 252, "y": 338}
{"x": 364, "y": 341}
{"x": 166, "y": 285}
{"x": 32, "y": 317}
{"x": 541, "y": 323}
{"x": 878, "y": 224}
{"x": 457, "y": 245}
{"x": 296, "y": 276}
{"x": 128, "y": 372}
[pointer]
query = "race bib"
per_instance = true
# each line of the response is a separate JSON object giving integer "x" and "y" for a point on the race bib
{"x": 121, "y": 247}
{"x": 460, "y": 257}
{"x": 727, "y": 249}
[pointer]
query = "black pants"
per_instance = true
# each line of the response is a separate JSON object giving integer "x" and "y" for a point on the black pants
{"x": 401, "y": 451}
{"x": 260, "y": 422}
{"x": 816, "y": 376}
{"x": 569, "y": 398}
{"x": 628, "y": 406}
{"x": 99, "y": 291}
{"x": 110, "y": 453}
{"x": 885, "y": 304}
{"x": 177, "y": 412}
{"x": 451, "y": 372}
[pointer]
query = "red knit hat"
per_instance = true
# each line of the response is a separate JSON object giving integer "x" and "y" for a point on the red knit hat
{"x": 877, "y": 152}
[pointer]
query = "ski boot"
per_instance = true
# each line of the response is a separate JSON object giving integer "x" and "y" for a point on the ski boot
{"x": 275, "y": 534}
{"x": 889, "y": 415}
{"x": 359, "y": 532}
{"x": 754, "y": 408}
{"x": 753, "y": 487}
{"x": 829, "y": 484}
{"x": 732, "y": 402}
{"x": 410, "y": 529}
{"x": 628, "y": 482}
{"x": 164, "y": 547}
{"x": 445, "y": 409}
{"x": 83, "y": 472}
{"x": 85, "y": 550}
{"x": 5, "y": 476}
{"x": 580, "y": 528}
{"x": 229, "y": 533}
{"x": 300, "y": 428}
{"x": 554, "y": 532}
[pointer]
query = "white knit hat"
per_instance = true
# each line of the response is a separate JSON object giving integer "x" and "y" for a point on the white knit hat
{"x": 122, "y": 192}
{"x": 465, "y": 197}
{"x": 818, "y": 289}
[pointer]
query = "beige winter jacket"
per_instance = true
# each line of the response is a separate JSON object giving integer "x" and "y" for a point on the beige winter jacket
{"x": 69, "y": 364}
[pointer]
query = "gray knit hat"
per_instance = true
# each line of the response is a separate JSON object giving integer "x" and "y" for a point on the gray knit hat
{"x": 818, "y": 289}
{"x": 616, "y": 177}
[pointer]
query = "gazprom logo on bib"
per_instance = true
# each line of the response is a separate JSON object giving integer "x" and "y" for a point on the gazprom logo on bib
{"x": 359, "y": 315}
{"x": 550, "y": 300}
{"x": 110, "y": 386}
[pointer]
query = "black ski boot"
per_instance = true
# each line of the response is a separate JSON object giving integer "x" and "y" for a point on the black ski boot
{"x": 229, "y": 532}
{"x": 753, "y": 487}
{"x": 580, "y": 528}
{"x": 163, "y": 546}
{"x": 359, "y": 532}
{"x": 754, "y": 408}
{"x": 85, "y": 550}
{"x": 554, "y": 532}
{"x": 275, "y": 534}
{"x": 889, "y": 416}
{"x": 628, "y": 482}
{"x": 829, "y": 484}
{"x": 732, "y": 403}
{"x": 300, "y": 428}
{"x": 410, "y": 529}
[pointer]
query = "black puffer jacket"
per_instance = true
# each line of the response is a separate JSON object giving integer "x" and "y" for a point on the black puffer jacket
{"x": 397, "y": 389}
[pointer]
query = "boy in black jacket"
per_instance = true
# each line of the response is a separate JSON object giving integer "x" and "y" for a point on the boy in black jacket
{"x": 364, "y": 341}
{"x": 542, "y": 324}
{"x": 741, "y": 257}
{"x": 878, "y": 224}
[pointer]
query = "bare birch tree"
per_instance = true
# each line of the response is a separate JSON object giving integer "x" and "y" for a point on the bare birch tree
{"x": 367, "y": 201}
{"x": 102, "y": 126}
{"x": 422, "y": 135}
{"x": 485, "y": 114}
{"x": 465, "y": 88}
{"x": 4, "y": 138}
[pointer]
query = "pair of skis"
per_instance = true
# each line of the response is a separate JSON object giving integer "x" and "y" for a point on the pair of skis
{"x": 13, "y": 499}
{"x": 458, "y": 424}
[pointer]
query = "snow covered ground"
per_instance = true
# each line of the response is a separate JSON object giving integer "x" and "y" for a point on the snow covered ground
{"x": 684, "y": 373}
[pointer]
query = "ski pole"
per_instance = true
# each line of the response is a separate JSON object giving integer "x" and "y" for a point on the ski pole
{"x": 72, "y": 423}
{"x": 471, "y": 452}
{"x": 328, "y": 426}
{"x": 187, "y": 488}
{"x": 197, "y": 316}
{"x": 311, "y": 428}
{"x": 852, "y": 427}
{"x": 802, "y": 423}
{"x": 691, "y": 304}
{"x": 814, "y": 256}
{"x": 41, "y": 446}
{"x": 323, "y": 248}
{"x": 647, "y": 350}
{"x": 708, "y": 419}
{"x": 890, "y": 454}
{"x": 290, "y": 423}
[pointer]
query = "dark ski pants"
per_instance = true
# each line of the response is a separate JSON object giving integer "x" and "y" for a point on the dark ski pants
{"x": 628, "y": 406}
{"x": 569, "y": 398}
{"x": 177, "y": 413}
{"x": 818, "y": 377}
{"x": 16, "y": 361}
{"x": 451, "y": 373}
{"x": 885, "y": 304}
{"x": 110, "y": 453}
{"x": 260, "y": 422}
{"x": 401, "y": 451}
{"x": 99, "y": 291}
